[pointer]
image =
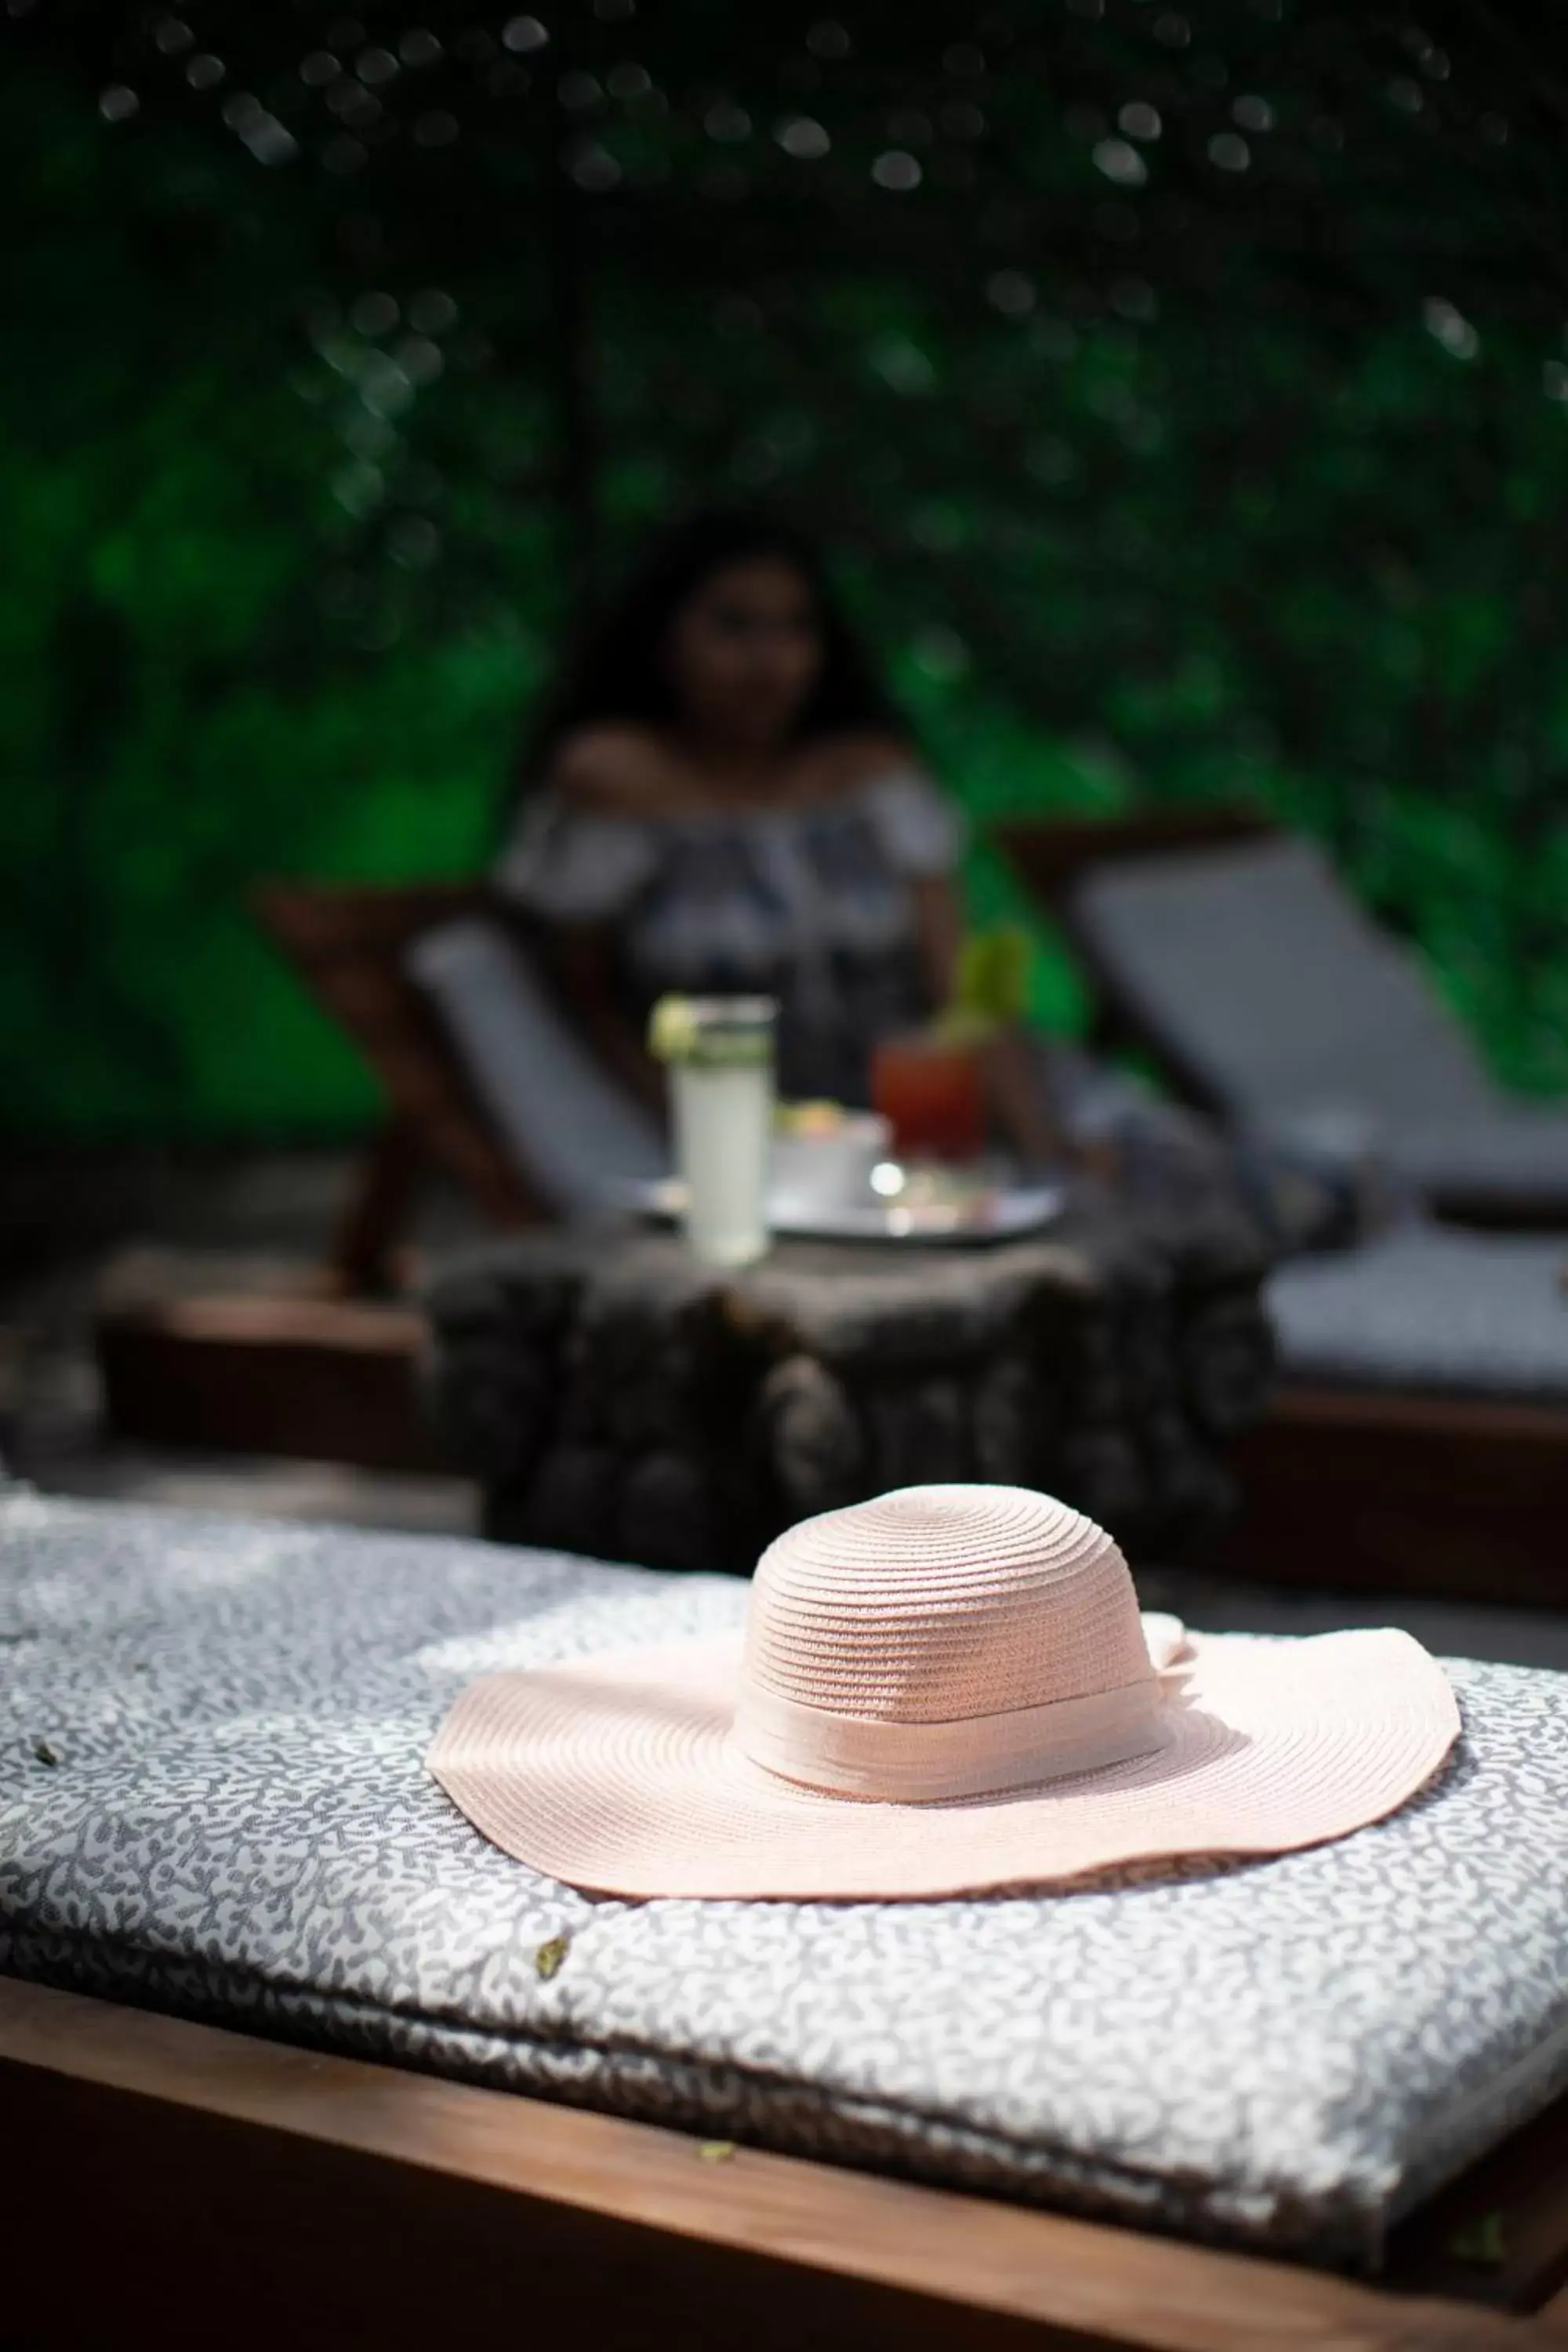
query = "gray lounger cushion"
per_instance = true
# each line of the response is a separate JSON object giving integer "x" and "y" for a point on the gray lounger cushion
{"x": 1429, "y": 1309}
{"x": 577, "y": 1137}
{"x": 240, "y": 1828}
{"x": 1255, "y": 969}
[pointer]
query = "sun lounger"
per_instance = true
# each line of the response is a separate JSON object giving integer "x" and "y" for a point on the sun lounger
{"x": 284, "y": 2023}
{"x": 1425, "y": 1405}
{"x": 1281, "y": 1005}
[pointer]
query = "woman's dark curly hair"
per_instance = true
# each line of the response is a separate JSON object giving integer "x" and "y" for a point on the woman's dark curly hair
{"x": 617, "y": 671}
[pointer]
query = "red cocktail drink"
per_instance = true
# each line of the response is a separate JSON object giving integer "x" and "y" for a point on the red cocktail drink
{"x": 930, "y": 1092}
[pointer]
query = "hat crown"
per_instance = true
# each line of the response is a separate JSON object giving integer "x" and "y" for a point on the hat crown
{"x": 938, "y": 1604}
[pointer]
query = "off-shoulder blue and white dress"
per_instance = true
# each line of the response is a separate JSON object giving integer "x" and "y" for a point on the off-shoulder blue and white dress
{"x": 812, "y": 905}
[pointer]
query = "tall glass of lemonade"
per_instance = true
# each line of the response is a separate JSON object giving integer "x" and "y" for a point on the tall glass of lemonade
{"x": 720, "y": 1052}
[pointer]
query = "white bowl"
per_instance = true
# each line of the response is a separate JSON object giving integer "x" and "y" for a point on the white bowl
{"x": 830, "y": 1170}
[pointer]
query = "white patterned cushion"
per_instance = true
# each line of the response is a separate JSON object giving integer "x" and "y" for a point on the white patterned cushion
{"x": 238, "y": 1827}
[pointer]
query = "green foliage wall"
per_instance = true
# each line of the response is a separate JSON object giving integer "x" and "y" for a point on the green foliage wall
{"x": 1184, "y": 394}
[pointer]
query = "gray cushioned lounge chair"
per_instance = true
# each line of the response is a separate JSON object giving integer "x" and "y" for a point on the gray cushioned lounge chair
{"x": 1277, "y": 1001}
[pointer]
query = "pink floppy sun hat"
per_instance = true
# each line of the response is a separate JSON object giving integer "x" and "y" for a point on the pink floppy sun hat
{"x": 945, "y": 1691}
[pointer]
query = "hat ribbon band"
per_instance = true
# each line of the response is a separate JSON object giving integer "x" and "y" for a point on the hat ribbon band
{"x": 924, "y": 1763}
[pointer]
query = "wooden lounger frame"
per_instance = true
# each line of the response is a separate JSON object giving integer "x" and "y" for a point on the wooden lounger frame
{"x": 175, "y": 2184}
{"x": 1441, "y": 1497}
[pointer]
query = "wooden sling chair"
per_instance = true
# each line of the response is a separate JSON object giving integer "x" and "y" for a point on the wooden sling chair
{"x": 320, "y": 1364}
{"x": 349, "y": 946}
{"x": 1428, "y": 1489}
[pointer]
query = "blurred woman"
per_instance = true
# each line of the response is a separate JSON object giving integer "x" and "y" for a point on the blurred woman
{"x": 721, "y": 799}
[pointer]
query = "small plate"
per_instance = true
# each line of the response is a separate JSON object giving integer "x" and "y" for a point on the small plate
{"x": 987, "y": 1213}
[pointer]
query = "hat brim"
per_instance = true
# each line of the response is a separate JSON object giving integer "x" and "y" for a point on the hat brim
{"x": 617, "y": 1774}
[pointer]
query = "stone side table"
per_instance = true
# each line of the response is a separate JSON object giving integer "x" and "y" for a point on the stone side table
{"x": 615, "y": 1398}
